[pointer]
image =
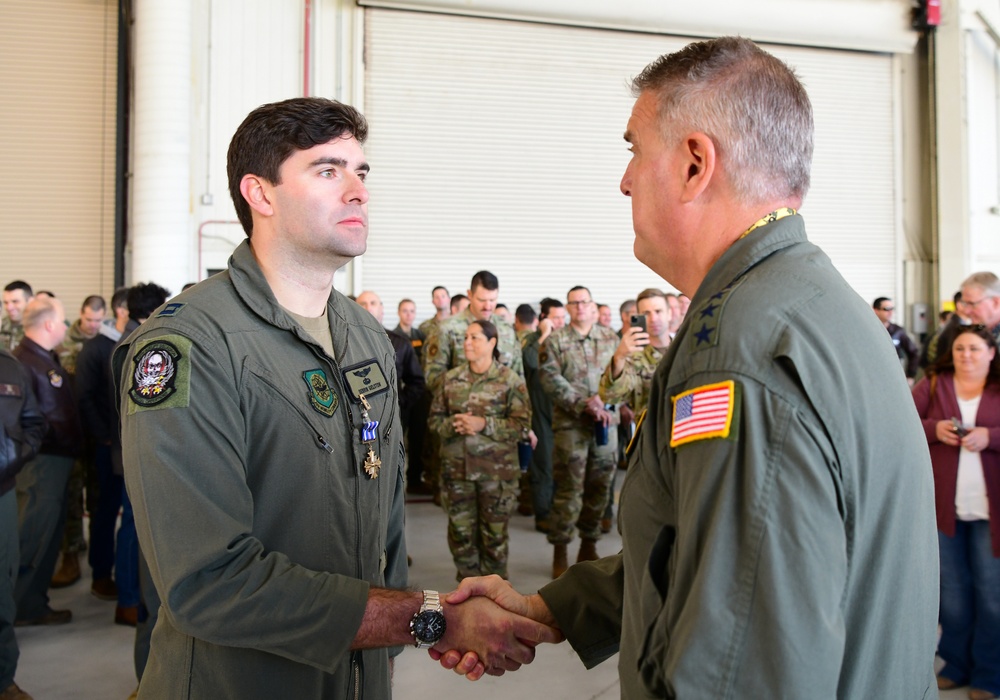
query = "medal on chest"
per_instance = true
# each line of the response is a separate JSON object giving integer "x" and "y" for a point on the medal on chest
{"x": 369, "y": 434}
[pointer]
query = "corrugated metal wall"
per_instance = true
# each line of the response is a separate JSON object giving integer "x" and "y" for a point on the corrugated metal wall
{"x": 57, "y": 137}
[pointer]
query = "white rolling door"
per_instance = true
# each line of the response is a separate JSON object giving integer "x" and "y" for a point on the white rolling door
{"x": 57, "y": 135}
{"x": 498, "y": 144}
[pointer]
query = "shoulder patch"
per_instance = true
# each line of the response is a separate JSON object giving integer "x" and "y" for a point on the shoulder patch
{"x": 171, "y": 309}
{"x": 161, "y": 374}
{"x": 322, "y": 397}
{"x": 703, "y": 412}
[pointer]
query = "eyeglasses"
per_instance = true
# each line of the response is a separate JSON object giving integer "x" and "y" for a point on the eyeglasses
{"x": 579, "y": 303}
{"x": 887, "y": 308}
{"x": 973, "y": 304}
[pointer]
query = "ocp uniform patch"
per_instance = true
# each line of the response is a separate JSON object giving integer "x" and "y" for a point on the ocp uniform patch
{"x": 161, "y": 374}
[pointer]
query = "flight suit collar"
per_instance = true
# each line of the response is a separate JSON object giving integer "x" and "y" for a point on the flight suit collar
{"x": 251, "y": 285}
{"x": 746, "y": 252}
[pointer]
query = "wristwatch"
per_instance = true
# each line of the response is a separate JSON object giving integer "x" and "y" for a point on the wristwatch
{"x": 428, "y": 624}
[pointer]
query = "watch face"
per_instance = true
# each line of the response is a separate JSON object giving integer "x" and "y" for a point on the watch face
{"x": 429, "y": 626}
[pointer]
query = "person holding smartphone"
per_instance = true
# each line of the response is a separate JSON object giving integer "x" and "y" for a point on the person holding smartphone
{"x": 628, "y": 375}
{"x": 959, "y": 405}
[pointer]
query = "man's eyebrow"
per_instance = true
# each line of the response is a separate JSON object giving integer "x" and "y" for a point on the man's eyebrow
{"x": 339, "y": 162}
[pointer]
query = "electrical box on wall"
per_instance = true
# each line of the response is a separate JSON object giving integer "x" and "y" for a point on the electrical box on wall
{"x": 918, "y": 319}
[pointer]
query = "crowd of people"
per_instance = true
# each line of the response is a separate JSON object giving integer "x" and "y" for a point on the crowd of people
{"x": 257, "y": 433}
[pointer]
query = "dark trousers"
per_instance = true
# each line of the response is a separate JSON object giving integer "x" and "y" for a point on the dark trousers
{"x": 104, "y": 515}
{"x": 41, "y": 511}
{"x": 8, "y": 575}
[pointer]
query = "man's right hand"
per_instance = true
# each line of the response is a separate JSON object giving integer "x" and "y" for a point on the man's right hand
{"x": 481, "y": 629}
{"x": 503, "y": 594}
{"x": 633, "y": 341}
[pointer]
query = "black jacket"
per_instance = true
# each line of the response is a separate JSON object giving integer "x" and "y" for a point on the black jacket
{"x": 51, "y": 386}
{"x": 410, "y": 376}
{"x": 22, "y": 425}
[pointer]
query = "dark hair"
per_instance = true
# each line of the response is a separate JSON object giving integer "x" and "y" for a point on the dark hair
{"x": 457, "y": 298}
{"x": 626, "y": 305}
{"x": 547, "y": 304}
{"x": 405, "y": 301}
{"x": 437, "y": 288}
{"x": 270, "y": 133}
{"x": 490, "y": 331}
{"x": 946, "y": 363}
{"x": 485, "y": 279}
{"x": 144, "y": 299}
{"x": 94, "y": 302}
{"x": 577, "y": 288}
{"x": 957, "y": 297}
{"x": 525, "y": 314}
{"x": 120, "y": 298}
{"x": 649, "y": 293}
{"x": 19, "y": 284}
{"x": 877, "y": 304}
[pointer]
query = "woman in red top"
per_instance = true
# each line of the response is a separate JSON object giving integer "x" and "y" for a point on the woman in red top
{"x": 959, "y": 404}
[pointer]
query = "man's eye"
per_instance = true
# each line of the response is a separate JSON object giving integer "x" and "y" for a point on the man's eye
{"x": 327, "y": 173}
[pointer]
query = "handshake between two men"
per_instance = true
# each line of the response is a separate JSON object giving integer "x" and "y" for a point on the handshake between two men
{"x": 493, "y": 638}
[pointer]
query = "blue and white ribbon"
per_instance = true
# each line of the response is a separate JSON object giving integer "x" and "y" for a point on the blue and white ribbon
{"x": 370, "y": 431}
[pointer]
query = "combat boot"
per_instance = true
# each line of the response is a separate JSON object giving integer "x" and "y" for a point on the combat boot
{"x": 69, "y": 572}
{"x": 559, "y": 563}
{"x": 588, "y": 551}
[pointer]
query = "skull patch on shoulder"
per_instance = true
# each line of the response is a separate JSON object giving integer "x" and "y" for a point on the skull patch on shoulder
{"x": 155, "y": 373}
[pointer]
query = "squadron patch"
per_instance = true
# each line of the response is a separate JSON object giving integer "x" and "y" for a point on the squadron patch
{"x": 322, "y": 397}
{"x": 55, "y": 379}
{"x": 161, "y": 374}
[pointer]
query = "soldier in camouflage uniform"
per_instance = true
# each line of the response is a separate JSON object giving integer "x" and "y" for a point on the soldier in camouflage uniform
{"x": 480, "y": 410}
{"x": 445, "y": 346}
{"x": 571, "y": 362}
{"x": 82, "y": 330}
{"x": 627, "y": 377}
{"x": 440, "y": 299}
{"x": 16, "y": 296}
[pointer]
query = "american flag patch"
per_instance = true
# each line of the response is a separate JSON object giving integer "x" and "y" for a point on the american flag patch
{"x": 704, "y": 412}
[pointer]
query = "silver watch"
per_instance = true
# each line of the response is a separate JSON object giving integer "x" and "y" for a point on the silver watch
{"x": 427, "y": 626}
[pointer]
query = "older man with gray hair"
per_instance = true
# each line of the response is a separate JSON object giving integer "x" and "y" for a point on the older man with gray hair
{"x": 41, "y": 485}
{"x": 981, "y": 300}
{"x": 777, "y": 517}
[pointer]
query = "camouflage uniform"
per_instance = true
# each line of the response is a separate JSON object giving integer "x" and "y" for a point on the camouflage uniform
{"x": 571, "y": 366}
{"x": 432, "y": 443}
{"x": 479, "y": 472}
{"x": 632, "y": 385}
{"x": 445, "y": 346}
{"x": 428, "y": 328}
{"x": 73, "y": 540}
{"x": 10, "y": 334}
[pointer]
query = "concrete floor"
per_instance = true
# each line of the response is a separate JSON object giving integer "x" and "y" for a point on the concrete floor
{"x": 91, "y": 658}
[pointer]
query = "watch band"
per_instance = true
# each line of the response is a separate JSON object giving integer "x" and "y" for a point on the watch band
{"x": 432, "y": 601}
{"x": 429, "y": 618}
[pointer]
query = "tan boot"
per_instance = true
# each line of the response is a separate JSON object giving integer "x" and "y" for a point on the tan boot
{"x": 69, "y": 571}
{"x": 588, "y": 551}
{"x": 559, "y": 563}
{"x": 12, "y": 692}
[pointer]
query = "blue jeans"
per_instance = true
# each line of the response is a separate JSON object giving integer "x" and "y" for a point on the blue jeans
{"x": 970, "y": 607}
{"x": 41, "y": 511}
{"x": 105, "y": 514}
{"x": 8, "y": 575}
{"x": 127, "y": 557}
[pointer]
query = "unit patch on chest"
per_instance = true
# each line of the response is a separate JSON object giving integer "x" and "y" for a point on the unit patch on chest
{"x": 322, "y": 397}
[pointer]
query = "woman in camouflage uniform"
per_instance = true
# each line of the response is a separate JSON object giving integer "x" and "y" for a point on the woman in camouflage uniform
{"x": 480, "y": 411}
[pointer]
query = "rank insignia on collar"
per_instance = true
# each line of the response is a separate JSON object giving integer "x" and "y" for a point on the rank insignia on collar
{"x": 171, "y": 309}
{"x": 365, "y": 379}
{"x": 322, "y": 397}
{"x": 155, "y": 374}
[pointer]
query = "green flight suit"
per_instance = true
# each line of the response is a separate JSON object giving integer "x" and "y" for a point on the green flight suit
{"x": 244, "y": 462}
{"x": 796, "y": 557}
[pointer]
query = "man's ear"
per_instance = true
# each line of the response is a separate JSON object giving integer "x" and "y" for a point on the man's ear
{"x": 255, "y": 191}
{"x": 700, "y": 160}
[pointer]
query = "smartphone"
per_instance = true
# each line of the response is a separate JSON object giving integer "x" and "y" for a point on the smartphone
{"x": 959, "y": 429}
{"x": 639, "y": 320}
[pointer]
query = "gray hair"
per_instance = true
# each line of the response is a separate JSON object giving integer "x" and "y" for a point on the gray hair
{"x": 752, "y": 106}
{"x": 986, "y": 281}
